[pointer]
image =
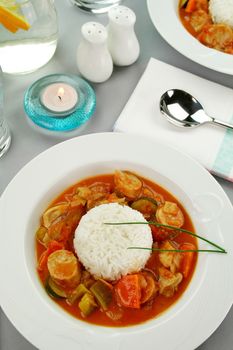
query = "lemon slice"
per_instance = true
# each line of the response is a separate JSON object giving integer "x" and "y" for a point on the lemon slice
{"x": 9, "y": 3}
{"x": 12, "y": 28}
{"x": 10, "y": 16}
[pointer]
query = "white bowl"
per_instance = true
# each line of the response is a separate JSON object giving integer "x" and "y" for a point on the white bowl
{"x": 165, "y": 17}
{"x": 205, "y": 302}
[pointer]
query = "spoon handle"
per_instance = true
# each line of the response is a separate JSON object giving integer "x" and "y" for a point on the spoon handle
{"x": 220, "y": 123}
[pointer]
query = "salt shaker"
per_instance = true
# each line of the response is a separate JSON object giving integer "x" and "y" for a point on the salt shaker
{"x": 122, "y": 41}
{"x": 93, "y": 58}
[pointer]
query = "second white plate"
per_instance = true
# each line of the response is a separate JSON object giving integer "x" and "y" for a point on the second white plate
{"x": 165, "y": 17}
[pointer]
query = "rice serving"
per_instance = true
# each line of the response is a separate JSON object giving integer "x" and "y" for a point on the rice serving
{"x": 221, "y": 11}
{"x": 102, "y": 249}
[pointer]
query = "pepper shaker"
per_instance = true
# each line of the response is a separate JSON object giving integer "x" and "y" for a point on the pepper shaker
{"x": 93, "y": 58}
{"x": 122, "y": 41}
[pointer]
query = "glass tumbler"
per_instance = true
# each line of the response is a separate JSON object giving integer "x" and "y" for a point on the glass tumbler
{"x": 25, "y": 50}
{"x": 5, "y": 137}
{"x": 96, "y": 6}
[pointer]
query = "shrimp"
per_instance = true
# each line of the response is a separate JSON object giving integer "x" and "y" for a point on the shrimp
{"x": 99, "y": 190}
{"x": 93, "y": 195}
{"x": 83, "y": 192}
{"x": 168, "y": 282}
{"x": 127, "y": 185}
{"x": 64, "y": 268}
{"x": 113, "y": 198}
{"x": 217, "y": 36}
{"x": 170, "y": 214}
{"x": 149, "y": 193}
{"x": 149, "y": 287}
{"x": 169, "y": 259}
{"x": 99, "y": 194}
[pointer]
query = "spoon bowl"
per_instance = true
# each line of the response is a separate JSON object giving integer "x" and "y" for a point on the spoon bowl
{"x": 183, "y": 110}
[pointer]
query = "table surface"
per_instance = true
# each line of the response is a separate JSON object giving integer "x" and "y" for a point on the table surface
{"x": 27, "y": 142}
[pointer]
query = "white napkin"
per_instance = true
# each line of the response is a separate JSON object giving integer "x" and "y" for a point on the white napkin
{"x": 211, "y": 145}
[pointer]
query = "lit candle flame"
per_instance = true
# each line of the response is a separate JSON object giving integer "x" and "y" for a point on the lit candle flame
{"x": 60, "y": 93}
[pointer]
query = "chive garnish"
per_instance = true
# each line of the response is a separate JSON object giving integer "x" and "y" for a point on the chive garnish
{"x": 220, "y": 249}
{"x": 181, "y": 250}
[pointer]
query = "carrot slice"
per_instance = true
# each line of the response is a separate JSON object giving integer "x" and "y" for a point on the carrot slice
{"x": 191, "y": 6}
{"x": 8, "y": 25}
{"x": 187, "y": 259}
{"x": 129, "y": 291}
{"x": 12, "y": 17}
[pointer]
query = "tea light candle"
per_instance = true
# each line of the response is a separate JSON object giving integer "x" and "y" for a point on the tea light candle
{"x": 59, "y": 103}
{"x": 59, "y": 97}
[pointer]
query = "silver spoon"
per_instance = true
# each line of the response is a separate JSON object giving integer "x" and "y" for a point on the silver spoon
{"x": 182, "y": 109}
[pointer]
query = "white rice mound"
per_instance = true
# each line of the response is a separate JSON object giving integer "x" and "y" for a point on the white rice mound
{"x": 102, "y": 249}
{"x": 221, "y": 11}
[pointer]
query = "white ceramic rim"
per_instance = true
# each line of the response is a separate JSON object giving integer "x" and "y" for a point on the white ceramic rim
{"x": 189, "y": 322}
{"x": 165, "y": 17}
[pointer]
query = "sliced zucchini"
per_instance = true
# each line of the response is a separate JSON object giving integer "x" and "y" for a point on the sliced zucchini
{"x": 147, "y": 206}
{"x": 102, "y": 292}
{"x": 77, "y": 293}
{"x": 182, "y": 3}
{"x": 42, "y": 235}
{"x": 54, "y": 290}
{"x": 87, "y": 304}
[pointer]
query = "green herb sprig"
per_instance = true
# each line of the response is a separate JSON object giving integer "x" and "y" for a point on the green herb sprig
{"x": 181, "y": 250}
{"x": 219, "y": 249}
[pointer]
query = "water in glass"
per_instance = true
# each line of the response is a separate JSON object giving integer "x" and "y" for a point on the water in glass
{"x": 26, "y": 51}
{"x": 5, "y": 137}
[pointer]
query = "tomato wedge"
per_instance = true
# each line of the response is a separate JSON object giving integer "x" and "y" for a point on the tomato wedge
{"x": 160, "y": 234}
{"x": 186, "y": 262}
{"x": 129, "y": 291}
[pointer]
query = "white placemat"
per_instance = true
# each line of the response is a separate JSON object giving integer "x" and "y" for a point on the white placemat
{"x": 211, "y": 145}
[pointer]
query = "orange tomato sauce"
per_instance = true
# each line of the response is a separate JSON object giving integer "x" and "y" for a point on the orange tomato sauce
{"x": 218, "y": 36}
{"x": 184, "y": 19}
{"x": 160, "y": 303}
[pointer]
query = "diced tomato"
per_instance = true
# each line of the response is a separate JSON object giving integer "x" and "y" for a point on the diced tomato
{"x": 187, "y": 259}
{"x": 62, "y": 230}
{"x": 52, "y": 247}
{"x": 129, "y": 291}
{"x": 160, "y": 234}
{"x": 73, "y": 219}
{"x": 54, "y": 231}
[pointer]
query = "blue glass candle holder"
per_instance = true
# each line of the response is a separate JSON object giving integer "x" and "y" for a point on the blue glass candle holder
{"x": 68, "y": 120}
